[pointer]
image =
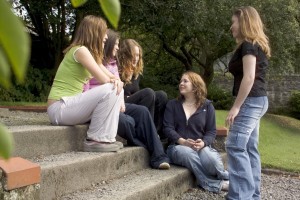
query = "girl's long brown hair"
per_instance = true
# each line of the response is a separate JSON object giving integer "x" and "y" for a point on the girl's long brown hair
{"x": 252, "y": 28}
{"x": 90, "y": 33}
{"x": 112, "y": 37}
{"x": 199, "y": 87}
{"x": 125, "y": 58}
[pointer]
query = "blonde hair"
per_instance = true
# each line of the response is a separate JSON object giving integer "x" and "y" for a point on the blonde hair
{"x": 199, "y": 87}
{"x": 90, "y": 33}
{"x": 252, "y": 28}
{"x": 125, "y": 60}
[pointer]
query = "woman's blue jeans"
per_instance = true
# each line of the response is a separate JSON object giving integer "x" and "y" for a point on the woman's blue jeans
{"x": 206, "y": 165}
{"x": 242, "y": 150}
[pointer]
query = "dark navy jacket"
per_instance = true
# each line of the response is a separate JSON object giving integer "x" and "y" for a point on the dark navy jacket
{"x": 201, "y": 125}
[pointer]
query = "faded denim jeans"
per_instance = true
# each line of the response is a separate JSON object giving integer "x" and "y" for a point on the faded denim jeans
{"x": 242, "y": 150}
{"x": 206, "y": 165}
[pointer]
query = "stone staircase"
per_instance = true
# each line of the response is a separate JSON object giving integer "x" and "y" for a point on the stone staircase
{"x": 48, "y": 163}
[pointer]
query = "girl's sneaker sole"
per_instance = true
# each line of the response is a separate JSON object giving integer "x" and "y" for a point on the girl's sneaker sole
{"x": 93, "y": 146}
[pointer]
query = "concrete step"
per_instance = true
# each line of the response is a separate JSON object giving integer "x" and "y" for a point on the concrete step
{"x": 68, "y": 172}
{"x": 43, "y": 140}
{"x": 147, "y": 184}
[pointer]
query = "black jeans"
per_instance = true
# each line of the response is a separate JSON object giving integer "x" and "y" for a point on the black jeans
{"x": 155, "y": 101}
{"x": 137, "y": 127}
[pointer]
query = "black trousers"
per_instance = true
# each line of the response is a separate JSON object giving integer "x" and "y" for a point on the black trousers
{"x": 155, "y": 101}
{"x": 137, "y": 127}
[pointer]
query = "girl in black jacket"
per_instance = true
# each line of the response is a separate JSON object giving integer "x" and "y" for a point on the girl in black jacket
{"x": 190, "y": 126}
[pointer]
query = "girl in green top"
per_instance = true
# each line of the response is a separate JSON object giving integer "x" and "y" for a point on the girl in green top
{"x": 67, "y": 105}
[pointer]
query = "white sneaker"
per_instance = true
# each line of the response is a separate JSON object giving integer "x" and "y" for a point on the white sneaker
{"x": 120, "y": 144}
{"x": 225, "y": 186}
{"x": 94, "y": 146}
{"x": 164, "y": 165}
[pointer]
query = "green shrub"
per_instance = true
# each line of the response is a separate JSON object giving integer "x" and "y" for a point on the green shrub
{"x": 294, "y": 104}
{"x": 159, "y": 77}
{"x": 222, "y": 100}
{"x": 35, "y": 88}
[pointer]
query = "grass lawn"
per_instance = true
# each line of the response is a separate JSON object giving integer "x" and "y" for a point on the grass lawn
{"x": 279, "y": 141}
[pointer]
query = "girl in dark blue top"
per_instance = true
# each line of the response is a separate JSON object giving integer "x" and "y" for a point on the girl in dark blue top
{"x": 190, "y": 126}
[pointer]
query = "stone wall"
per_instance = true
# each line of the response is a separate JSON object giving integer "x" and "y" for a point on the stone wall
{"x": 279, "y": 88}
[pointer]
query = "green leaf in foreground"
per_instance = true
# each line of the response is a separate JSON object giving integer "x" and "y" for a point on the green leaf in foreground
{"x": 77, "y": 3}
{"x": 112, "y": 10}
{"x": 6, "y": 142}
{"x": 15, "y": 42}
{"x": 4, "y": 70}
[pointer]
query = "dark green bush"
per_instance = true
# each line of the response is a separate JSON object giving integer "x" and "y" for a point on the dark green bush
{"x": 222, "y": 100}
{"x": 158, "y": 76}
{"x": 294, "y": 104}
{"x": 34, "y": 89}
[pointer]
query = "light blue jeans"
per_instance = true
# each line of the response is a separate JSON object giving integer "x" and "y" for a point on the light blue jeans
{"x": 242, "y": 150}
{"x": 206, "y": 165}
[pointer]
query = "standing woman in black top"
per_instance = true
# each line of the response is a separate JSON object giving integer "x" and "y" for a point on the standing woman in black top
{"x": 248, "y": 65}
{"x": 130, "y": 62}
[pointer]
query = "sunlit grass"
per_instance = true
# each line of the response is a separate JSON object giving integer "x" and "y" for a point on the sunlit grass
{"x": 279, "y": 141}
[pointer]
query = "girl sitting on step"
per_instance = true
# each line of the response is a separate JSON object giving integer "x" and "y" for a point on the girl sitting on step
{"x": 67, "y": 105}
{"x": 131, "y": 65}
{"x": 190, "y": 126}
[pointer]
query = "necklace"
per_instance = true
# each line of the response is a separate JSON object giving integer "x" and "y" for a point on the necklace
{"x": 189, "y": 104}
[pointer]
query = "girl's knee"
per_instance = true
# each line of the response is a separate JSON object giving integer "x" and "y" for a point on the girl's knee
{"x": 181, "y": 155}
{"x": 210, "y": 154}
{"x": 161, "y": 95}
{"x": 184, "y": 151}
{"x": 149, "y": 92}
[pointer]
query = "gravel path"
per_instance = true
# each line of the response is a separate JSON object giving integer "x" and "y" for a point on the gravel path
{"x": 276, "y": 186}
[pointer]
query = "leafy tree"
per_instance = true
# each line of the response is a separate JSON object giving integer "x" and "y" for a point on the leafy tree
{"x": 196, "y": 33}
{"x": 176, "y": 35}
{"x": 51, "y": 24}
{"x": 48, "y": 23}
{"x": 189, "y": 31}
{"x": 283, "y": 27}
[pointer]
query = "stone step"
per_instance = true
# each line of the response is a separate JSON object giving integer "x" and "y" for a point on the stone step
{"x": 147, "y": 184}
{"x": 68, "y": 172}
{"x": 43, "y": 140}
